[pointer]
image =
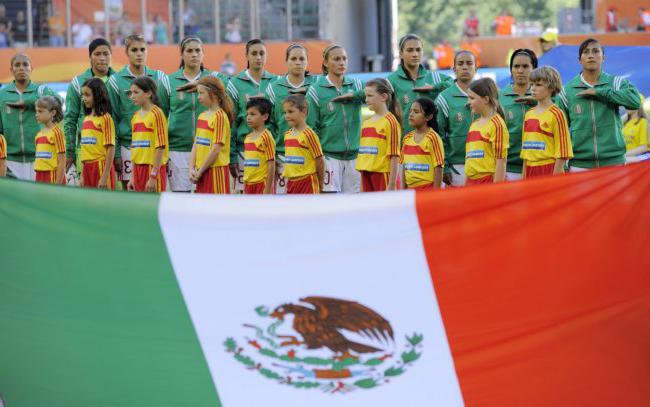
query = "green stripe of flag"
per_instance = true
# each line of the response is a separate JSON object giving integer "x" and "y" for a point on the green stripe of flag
{"x": 90, "y": 309}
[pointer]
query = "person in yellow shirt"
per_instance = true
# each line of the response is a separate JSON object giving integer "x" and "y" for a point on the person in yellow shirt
{"x": 97, "y": 137}
{"x": 304, "y": 163}
{"x": 545, "y": 142}
{"x": 150, "y": 141}
{"x": 3, "y": 156}
{"x": 259, "y": 149}
{"x": 210, "y": 156}
{"x": 50, "y": 142}
{"x": 378, "y": 160}
{"x": 486, "y": 147}
{"x": 635, "y": 132}
{"x": 423, "y": 155}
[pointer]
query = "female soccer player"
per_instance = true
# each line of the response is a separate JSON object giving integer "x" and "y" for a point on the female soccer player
{"x": 335, "y": 115}
{"x": 516, "y": 101}
{"x": 259, "y": 149}
{"x": 251, "y": 82}
{"x": 184, "y": 109}
{"x": 123, "y": 108}
{"x": 305, "y": 166}
{"x": 98, "y": 137}
{"x": 487, "y": 139}
{"x": 423, "y": 155}
{"x": 100, "y": 54}
{"x": 546, "y": 143}
{"x": 412, "y": 80}
{"x": 591, "y": 101}
{"x": 17, "y": 121}
{"x": 210, "y": 154}
{"x": 150, "y": 144}
{"x": 455, "y": 117}
{"x": 378, "y": 160}
{"x": 50, "y": 142}
{"x": 296, "y": 80}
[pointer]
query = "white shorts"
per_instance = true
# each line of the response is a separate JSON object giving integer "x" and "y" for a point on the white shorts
{"x": 458, "y": 177}
{"x": 127, "y": 165}
{"x": 513, "y": 176}
{"x": 23, "y": 171}
{"x": 237, "y": 183}
{"x": 341, "y": 176}
{"x": 178, "y": 171}
{"x": 280, "y": 182}
{"x": 578, "y": 169}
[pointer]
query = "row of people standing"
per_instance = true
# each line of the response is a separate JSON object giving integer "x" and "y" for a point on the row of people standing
{"x": 335, "y": 102}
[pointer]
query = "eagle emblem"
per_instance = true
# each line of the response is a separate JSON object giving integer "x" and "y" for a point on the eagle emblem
{"x": 335, "y": 345}
{"x": 406, "y": 99}
{"x": 330, "y": 106}
{"x": 578, "y": 109}
{"x": 511, "y": 115}
{"x": 459, "y": 117}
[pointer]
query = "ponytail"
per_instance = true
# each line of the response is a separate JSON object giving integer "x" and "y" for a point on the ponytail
{"x": 384, "y": 87}
{"x": 485, "y": 87}
{"x": 215, "y": 87}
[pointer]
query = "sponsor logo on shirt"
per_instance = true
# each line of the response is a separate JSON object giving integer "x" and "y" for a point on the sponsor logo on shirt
{"x": 140, "y": 144}
{"x": 534, "y": 145}
{"x": 89, "y": 140}
{"x": 292, "y": 159}
{"x": 476, "y": 154}
{"x": 417, "y": 167}
{"x": 44, "y": 154}
{"x": 203, "y": 141}
{"x": 252, "y": 163}
{"x": 368, "y": 150}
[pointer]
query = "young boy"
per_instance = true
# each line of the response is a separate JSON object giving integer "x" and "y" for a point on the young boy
{"x": 259, "y": 149}
{"x": 304, "y": 164}
{"x": 546, "y": 144}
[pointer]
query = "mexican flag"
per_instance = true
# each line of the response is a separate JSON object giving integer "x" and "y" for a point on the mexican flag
{"x": 531, "y": 293}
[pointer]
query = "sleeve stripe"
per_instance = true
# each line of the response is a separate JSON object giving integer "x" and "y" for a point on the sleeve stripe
{"x": 313, "y": 95}
{"x": 498, "y": 141}
{"x": 218, "y": 129}
{"x": 59, "y": 139}
{"x": 562, "y": 131}
{"x": 394, "y": 135}
{"x": 75, "y": 85}
{"x": 436, "y": 148}
{"x": 160, "y": 128}
{"x": 234, "y": 93}
{"x": 314, "y": 144}
{"x": 564, "y": 99}
{"x": 270, "y": 146}
{"x": 442, "y": 104}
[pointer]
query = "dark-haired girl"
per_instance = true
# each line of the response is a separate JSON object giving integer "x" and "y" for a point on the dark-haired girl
{"x": 97, "y": 137}
{"x": 184, "y": 110}
{"x": 412, "y": 80}
{"x": 253, "y": 81}
{"x": 423, "y": 155}
{"x": 49, "y": 165}
{"x": 516, "y": 100}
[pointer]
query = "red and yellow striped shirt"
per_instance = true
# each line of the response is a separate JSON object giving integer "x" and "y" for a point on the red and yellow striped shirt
{"x": 3, "y": 147}
{"x": 257, "y": 154}
{"x": 97, "y": 133}
{"x": 486, "y": 143}
{"x": 379, "y": 142}
{"x": 212, "y": 128}
{"x": 420, "y": 159}
{"x": 149, "y": 133}
{"x": 301, "y": 149}
{"x": 545, "y": 137}
{"x": 49, "y": 143}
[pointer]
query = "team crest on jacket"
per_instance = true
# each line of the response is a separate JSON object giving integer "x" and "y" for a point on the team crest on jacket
{"x": 578, "y": 109}
{"x": 330, "y": 106}
{"x": 330, "y": 344}
{"x": 459, "y": 117}
{"x": 406, "y": 99}
{"x": 511, "y": 115}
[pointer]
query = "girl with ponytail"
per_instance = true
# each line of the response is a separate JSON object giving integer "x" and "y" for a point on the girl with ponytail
{"x": 379, "y": 148}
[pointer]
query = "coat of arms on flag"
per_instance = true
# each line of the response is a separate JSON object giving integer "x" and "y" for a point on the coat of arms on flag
{"x": 335, "y": 345}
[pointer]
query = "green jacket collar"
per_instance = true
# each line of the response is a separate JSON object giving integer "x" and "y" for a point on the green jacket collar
{"x": 244, "y": 75}
{"x": 180, "y": 75}
{"x": 284, "y": 81}
{"x": 326, "y": 83}
{"x": 456, "y": 91}
{"x": 402, "y": 73}
{"x": 31, "y": 87}
{"x": 126, "y": 72}
{"x": 579, "y": 82}
{"x": 90, "y": 74}
{"x": 509, "y": 91}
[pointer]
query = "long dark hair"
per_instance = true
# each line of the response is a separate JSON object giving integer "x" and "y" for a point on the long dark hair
{"x": 402, "y": 43}
{"x": 485, "y": 87}
{"x": 215, "y": 87}
{"x": 101, "y": 102}
{"x": 249, "y": 45}
{"x": 183, "y": 44}
{"x": 428, "y": 108}
{"x": 383, "y": 87}
{"x": 526, "y": 52}
{"x": 146, "y": 84}
{"x": 296, "y": 46}
{"x": 51, "y": 103}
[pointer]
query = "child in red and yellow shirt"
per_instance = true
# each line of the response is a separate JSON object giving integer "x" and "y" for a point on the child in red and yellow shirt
{"x": 50, "y": 142}
{"x": 259, "y": 149}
